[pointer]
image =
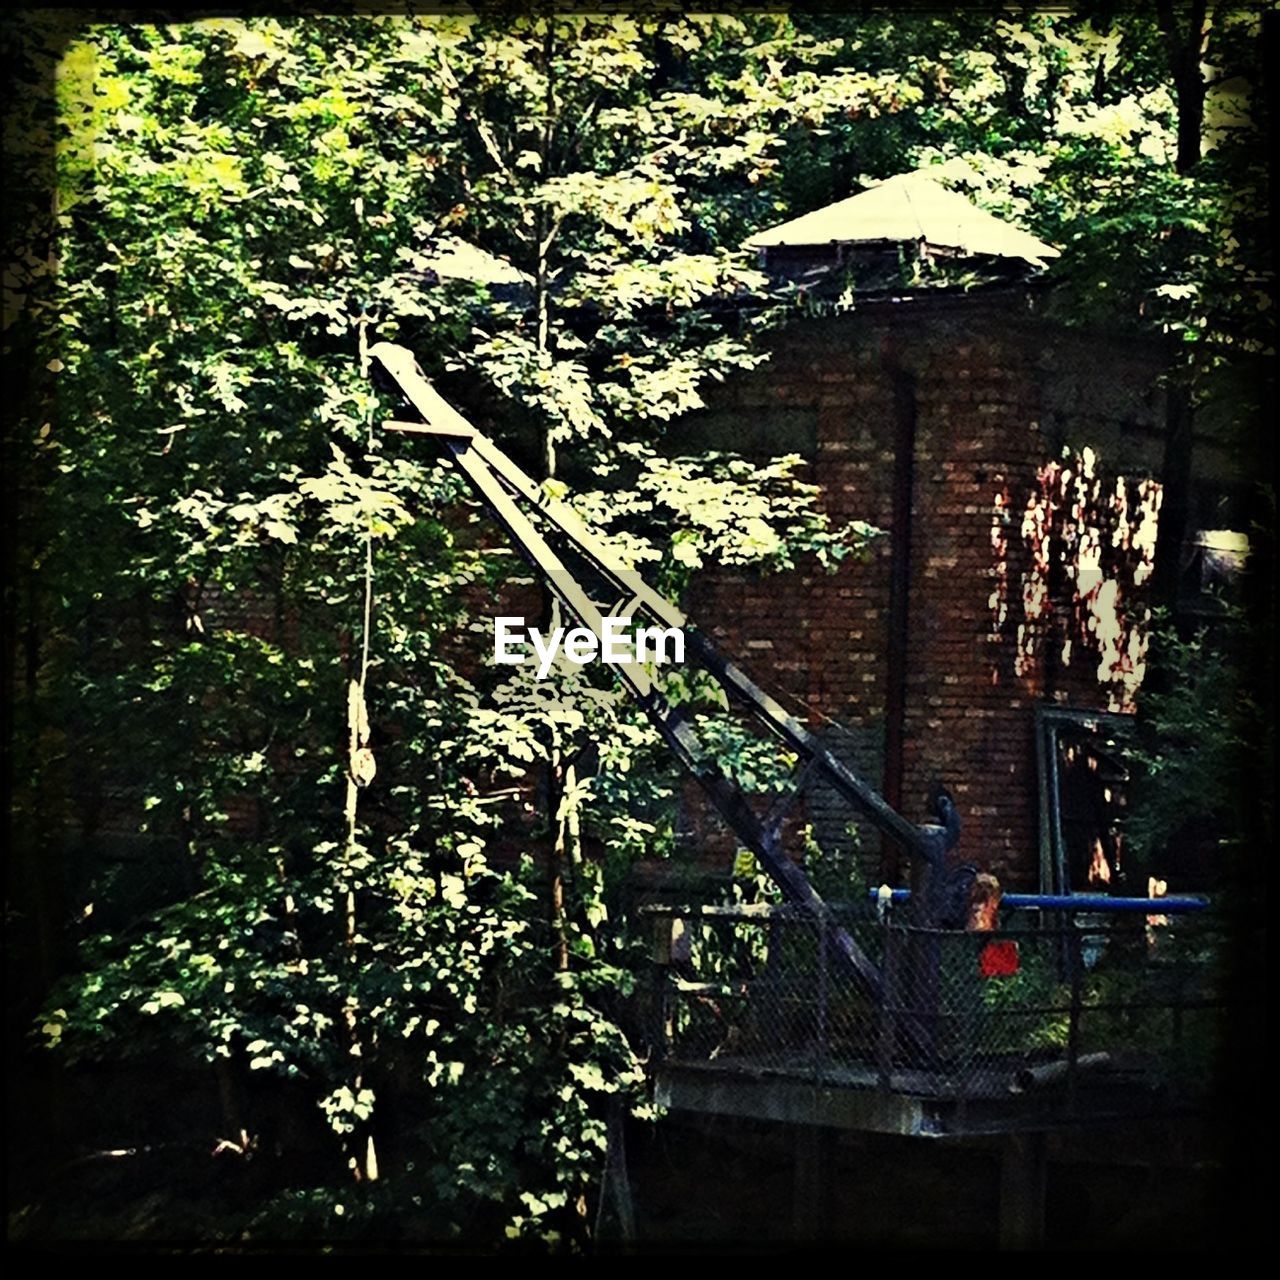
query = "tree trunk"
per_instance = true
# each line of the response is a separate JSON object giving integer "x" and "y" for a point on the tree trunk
{"x": 1185, "y": 46}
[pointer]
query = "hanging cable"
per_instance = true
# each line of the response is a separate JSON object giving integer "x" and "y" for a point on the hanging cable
{"x": 361, "y": 767}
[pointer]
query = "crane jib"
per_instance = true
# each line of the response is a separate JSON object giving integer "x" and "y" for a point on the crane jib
{"x": 524, "y": 509}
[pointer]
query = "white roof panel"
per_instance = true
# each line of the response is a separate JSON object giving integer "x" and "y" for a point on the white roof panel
{"x": 453, "y": 258}
{"x": 909, "y": 207}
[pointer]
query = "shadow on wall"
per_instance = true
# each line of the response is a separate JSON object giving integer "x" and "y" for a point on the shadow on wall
{"x": 1087, "y": 544}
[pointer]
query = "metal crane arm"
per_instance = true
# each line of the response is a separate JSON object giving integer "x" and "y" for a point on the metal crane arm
{"x": 516, "y": 499}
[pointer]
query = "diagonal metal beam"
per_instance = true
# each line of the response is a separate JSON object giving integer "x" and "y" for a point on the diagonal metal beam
{"x": 670, "y": 722}
{"x": 728, "y": 674}
{"x": 505, "y": 487}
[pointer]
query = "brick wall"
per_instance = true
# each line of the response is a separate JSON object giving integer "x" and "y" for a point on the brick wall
{"x": 999, "y": 617}
{"x": 1000, "y": 522}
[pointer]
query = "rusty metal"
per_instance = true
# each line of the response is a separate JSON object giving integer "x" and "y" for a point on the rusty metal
{"x": 517, "y": 500}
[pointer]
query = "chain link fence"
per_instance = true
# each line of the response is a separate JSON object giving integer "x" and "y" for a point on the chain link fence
{"x": 1041, "y": 1005}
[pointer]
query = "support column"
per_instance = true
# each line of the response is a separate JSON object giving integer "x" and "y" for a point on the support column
{"x": 811, "y": 1215}
{"x": 1023, "y": 1179}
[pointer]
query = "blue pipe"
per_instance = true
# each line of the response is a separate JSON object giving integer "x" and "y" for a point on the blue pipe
{"x": 1082, "y": 902}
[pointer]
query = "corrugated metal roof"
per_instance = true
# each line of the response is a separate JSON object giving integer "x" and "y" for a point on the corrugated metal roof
{"x": 909, "y": 207}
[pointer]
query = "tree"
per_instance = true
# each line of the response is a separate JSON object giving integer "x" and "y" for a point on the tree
{"x": 244, "y": 207}
{"x": 1195, "y": 806}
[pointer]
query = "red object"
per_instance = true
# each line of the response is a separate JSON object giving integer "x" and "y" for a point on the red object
{"x": 998, "y": 959}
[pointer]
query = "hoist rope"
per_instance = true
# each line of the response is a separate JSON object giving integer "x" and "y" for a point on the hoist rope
{"x": 360, "y": 762}
{"x": 367, "y": 622}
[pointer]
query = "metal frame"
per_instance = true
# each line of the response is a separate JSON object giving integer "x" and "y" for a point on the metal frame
{"x": 1049, "y": 720}
{"x": 515, "y": 499}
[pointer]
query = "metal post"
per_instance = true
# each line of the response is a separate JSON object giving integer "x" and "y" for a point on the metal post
{"x": 821, "y": 1055}
{"x": 888, "y": 1029}
{"x": 1075, "y": 959}
{"x": 1023, "y": 1176}
{"x": 664, "y": 1032}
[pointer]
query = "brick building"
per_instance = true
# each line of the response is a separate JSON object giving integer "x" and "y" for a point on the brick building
{"x": 1012, "y": 464}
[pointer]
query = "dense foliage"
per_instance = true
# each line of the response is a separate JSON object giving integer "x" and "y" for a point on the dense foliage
{"x": 1202, "y": 740}
{"x": 247, "y": 638}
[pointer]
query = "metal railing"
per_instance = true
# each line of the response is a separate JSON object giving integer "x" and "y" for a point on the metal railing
{"x": 1054, "y": 1004}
